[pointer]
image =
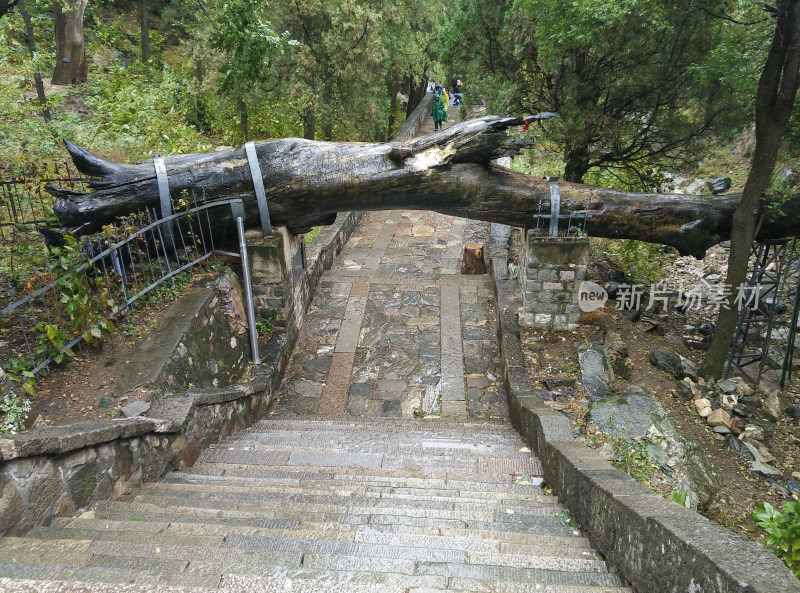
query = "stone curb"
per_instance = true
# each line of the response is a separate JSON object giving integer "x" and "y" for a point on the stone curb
{"x": 656, "y": 545}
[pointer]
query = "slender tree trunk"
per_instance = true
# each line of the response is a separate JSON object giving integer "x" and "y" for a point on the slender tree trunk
{"x": 576, "y": 164}
{"x": 327, "y": 101}
{"x": 415, "y": 94}
{"x": 37, "y": 77}
{"x": 71, "y": 66}
{"x": 145, "y": 22}
{"x": 777, "y": 89}
{"x": 244, "y": 121}
{"x": 392, "y": 111}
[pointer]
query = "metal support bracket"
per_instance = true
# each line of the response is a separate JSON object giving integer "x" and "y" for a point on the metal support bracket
{"x": 555, "y": 206}
{"x": 258, "y": 185}
{"x": 166, "y": 200}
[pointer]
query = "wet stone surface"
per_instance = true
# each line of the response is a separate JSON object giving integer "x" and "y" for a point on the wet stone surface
{"x": 418, "y": 332}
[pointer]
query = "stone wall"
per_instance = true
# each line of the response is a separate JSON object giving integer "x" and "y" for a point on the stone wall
{"x": 550, "y": 272}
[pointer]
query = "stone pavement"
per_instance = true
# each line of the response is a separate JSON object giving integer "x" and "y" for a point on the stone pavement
{"x": 396, "y": 330}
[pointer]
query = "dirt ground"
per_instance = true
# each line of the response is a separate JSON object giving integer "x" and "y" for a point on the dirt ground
{"x": 742, "y": 488}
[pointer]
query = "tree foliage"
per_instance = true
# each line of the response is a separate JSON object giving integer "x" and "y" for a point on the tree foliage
{"x": 637, "y": 82}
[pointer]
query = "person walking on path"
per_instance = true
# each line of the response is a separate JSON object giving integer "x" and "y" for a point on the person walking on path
{"x": 445, "y": 98}
{"x": 438, "y": 112}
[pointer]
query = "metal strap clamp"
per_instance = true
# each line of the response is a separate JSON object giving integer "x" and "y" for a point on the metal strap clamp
{"x": 166, "y": 200}
{"x": 258, "y": 185}
{"x": 555, "y": 205}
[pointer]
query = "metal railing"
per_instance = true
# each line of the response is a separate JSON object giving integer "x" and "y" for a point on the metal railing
{"x": 122, "y": 264}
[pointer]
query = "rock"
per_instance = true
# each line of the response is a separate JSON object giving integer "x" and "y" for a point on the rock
{"x": 742, "y": 387}
{"x": 718, "y": 184}
{"x": 788, "y": 176}
{"x": 741, "y": 410}
{"x": 596, "y": 371}
{"x": 694, "y": 186}
{"x": 793, "y": 412}
{"x": 773, "y": 405}
{"x": 719, "y": 417}
{"x": 39, "y": 422}
{"x": 667, "y": 361}
{"x": 793, "y": 486}
{"x": 727, "y": 386}
{"x": 776, "y": 488}
{"x": 796, "y": 475}
{"x": 737, "y": 447}
{"x": 135, "y": 408}
{"x": 764, "y": 453}
{"x": 763, "y": 468}
{"x": 703, "y": 407}
{"x": 633, "y": 314}
{"x": 707, "y": 329}
{"x": 722, "y": 429}
{"x": 751, "y": 431}
{"x": 688, "y": 368}
{"x": 687, "y": 389}
{"x": 636, "y": 415}
{"x": 728, "y": 401}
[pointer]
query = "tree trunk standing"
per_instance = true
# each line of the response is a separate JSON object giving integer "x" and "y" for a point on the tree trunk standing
{"x": 71, "y": 66}
{"x": 244, "y": 120}
{"x": 392, "y": 112}
{"x": 145, "y": 22}
{"x": 37, "y": 77}
{"x": 415, "y": 94}
{"x": 777, "y": 89}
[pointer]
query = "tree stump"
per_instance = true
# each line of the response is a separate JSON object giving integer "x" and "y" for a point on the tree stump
{"x": 472, "y": 262}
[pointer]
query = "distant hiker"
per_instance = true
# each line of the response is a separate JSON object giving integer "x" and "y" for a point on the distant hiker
{"x": 445, "y": 99}
{"x": 438, "y": 112}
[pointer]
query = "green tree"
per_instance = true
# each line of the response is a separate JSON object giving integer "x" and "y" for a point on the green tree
{"x": 249, "y": 45}
{"x": 631, "y": 79}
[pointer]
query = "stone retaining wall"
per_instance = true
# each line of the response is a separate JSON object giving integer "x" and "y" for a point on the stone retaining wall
{"x": 61, "y": 470}
{"x": 655, "y": 544}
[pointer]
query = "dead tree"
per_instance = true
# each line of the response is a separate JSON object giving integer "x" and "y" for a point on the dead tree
{"x": 451, "y": 172}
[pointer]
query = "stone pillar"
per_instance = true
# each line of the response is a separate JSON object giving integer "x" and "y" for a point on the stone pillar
{"x": 276, "y": 266}
{"x": 551, "y": 270}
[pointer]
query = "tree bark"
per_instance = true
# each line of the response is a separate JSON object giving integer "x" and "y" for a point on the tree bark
{"x": 37, "y": 77}
{"x": 777, "y": 89}
{"x": 145, "y": 27}
{"x": 71, "y": 66}
{"x": 450, "y": 172}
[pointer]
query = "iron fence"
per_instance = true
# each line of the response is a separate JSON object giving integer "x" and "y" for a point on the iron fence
{"x": 59, "y": 308}
{"x": 24, "y": 203}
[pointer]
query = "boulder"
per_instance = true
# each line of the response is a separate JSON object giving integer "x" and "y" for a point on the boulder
{"x": 753, "y": 431}
{"x": 758, "y": 447}
{"x": 703, "y": 407}
{"x": 719, "y": 417}
{"x": 634, "y": 414}
{"x": 667, "y": 361}
{"x": 596, "y": 372}
{"x": 718, "y": 185}
{"x": 726, "y": 386}
{"x": 773, "y": 405}
{"x": 742, "y": 387}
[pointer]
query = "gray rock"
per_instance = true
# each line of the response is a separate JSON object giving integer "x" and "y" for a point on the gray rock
{"x": 727, "y": 386}
{"x": 722, "y": 429}
{"x": 638, "y": 416}
{"x": 718, "y": 184}
{"x": 135, "y": 408}
{"x": 667, "y": 361}
{"x": 596, "y": 372}
{"x": 793, "y": 412}
{"x": 763, "y": 468}
{"x": 737, "y": 447}
{"x": 694, "y": 186}
{"x": 793, "y": 486}
{"x": 773, "y": 405}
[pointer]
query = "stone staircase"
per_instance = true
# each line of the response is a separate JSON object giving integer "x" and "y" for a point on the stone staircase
{"x": 324, "y": 504}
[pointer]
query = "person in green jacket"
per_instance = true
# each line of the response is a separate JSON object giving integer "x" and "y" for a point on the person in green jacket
{"x": 438, "y": 112}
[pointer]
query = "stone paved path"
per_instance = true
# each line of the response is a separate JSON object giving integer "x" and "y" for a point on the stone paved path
{"x": 396, "y": 330}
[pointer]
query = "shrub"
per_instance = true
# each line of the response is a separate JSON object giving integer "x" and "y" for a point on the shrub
{"x": 783, "y": 531}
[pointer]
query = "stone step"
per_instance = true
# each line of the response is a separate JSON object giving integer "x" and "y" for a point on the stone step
{"x": 382, "y": 497}
{"x": 411, "y": 475}
{"x": 338, "y": 506}
{"x": 430, "y": 426}
{"x": 490, "y": 467}
{"x": 349, "y": 488}
{"x": 542, "y": 526}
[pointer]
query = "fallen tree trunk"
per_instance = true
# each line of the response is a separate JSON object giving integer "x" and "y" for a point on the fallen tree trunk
{"x": 308, "y": 182}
